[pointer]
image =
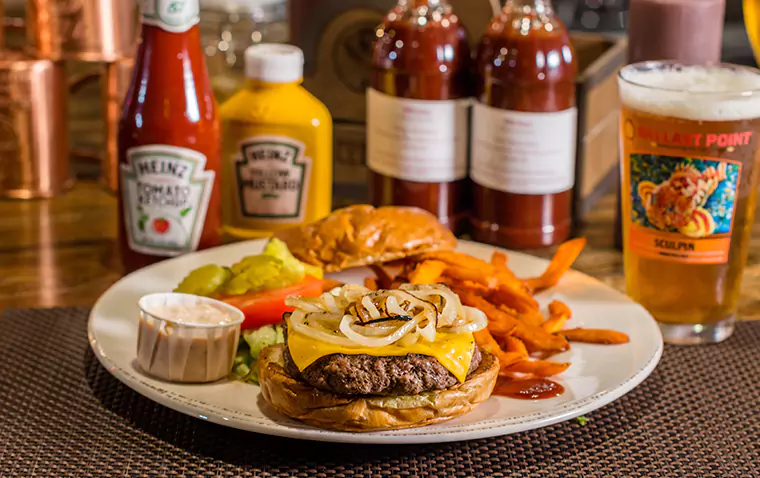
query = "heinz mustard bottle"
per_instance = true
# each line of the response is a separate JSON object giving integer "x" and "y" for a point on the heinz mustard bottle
{"x": 276, "y": 148}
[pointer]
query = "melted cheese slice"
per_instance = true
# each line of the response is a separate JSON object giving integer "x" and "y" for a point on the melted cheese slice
{"x": 453, "y": 351}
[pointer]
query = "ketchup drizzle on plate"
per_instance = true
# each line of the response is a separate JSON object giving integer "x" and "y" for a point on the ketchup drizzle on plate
{"x": 529, "y": 389}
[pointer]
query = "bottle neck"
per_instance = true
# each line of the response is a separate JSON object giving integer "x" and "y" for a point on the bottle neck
{"x": 539, "y": 6}
{"x": 263, "y": 85}
{"x": 173, "y": 17}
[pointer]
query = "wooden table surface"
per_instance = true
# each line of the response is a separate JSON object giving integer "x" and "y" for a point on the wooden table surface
{"x": 63, "y": 252}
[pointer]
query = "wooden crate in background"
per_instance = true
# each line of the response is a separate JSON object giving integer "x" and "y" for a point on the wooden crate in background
{"x": 597, "y": 147}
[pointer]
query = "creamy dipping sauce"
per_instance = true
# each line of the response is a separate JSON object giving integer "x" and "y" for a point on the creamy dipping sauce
{"x": 184, "y": 338}
{"x": 199, "y": 314}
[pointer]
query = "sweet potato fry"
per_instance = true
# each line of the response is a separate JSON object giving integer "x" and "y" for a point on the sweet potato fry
{"x": 515, "y": 345}
{"x": 517, "y": 300}
{"x": 466, "y": 267}
{"x": 533, "y": 317}
{"x": 499, "y": 260}
{"x": 498, "y": 325}
{"x": 518, "y": 333}
{"x": 456, "y": 284}
{"x": 560, "y": 263}
{"x": 537, "y": 368}
{"x": 458, "y": 259}
{"x": 370, "y": 283}
{"x": 535, "y": 338}
{"x": 486, "y": 341}
{"x": 507, "y": 359}
{"x": 559, "y": 312}
{"x": 427, "y": 272}
{"x": 559, "y": 308}
{"x": 384, "y": 279}
{"x": 505, "y": 276}
{"x": 472, "y": 275}
{"x": 526, "y": 317}
{"x": 461, "y": 266}
{"x": 330, "y": 284}
{"x": 594, "y": 336}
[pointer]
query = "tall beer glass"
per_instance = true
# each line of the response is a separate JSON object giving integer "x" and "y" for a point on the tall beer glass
{"x": 689, "y": 186}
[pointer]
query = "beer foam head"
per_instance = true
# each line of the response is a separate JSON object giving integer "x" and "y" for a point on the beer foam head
{"x": 702, "y": 93}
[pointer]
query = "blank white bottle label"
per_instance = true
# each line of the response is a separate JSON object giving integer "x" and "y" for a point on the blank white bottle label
{"x": 417, "y": 140}
{"x": 523, "y": 153}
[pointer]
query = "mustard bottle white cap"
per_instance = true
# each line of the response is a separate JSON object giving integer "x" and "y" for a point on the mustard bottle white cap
{"x": 274, "y": 63}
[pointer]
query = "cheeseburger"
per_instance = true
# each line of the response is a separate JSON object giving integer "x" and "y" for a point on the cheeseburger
{"x": 360, "y": 360}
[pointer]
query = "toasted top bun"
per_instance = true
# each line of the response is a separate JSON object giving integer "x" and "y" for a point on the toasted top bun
{"x": 299, "y": 400}
{"x": 361, "y": 235}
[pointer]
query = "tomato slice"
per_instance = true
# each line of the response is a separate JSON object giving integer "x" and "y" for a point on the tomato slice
{"x": 266, "y": 307}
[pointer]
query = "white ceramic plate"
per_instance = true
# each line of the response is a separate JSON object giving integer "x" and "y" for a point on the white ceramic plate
{"x": 599, "y": 374}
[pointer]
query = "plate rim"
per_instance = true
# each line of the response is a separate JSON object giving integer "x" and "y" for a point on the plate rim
{"x": 421, "y": 435}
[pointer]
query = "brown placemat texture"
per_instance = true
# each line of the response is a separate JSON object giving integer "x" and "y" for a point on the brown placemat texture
{"x": 63, "y": 415}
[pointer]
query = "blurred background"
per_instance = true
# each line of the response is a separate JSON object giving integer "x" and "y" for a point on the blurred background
{"x": 336, "y": 36}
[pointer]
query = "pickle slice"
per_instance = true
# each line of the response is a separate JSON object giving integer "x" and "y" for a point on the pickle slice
{"x": 204, "y": 280}
{"x": 275, "y": 268}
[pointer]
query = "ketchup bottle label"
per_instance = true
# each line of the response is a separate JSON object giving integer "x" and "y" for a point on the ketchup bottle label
{"x": 272, "y": 177}
{"x": 417, "y": 140}
{"x": 522, "y": 152}
{"x": 166, "y": 191}
{"x": 174, "y": 16}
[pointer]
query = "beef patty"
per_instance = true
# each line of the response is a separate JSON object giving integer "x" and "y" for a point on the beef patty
{"x": 369, "y": 375}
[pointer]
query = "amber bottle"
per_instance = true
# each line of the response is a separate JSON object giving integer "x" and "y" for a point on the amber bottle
{"x": 417, "y": 111}
{"x": 524, "y": 129}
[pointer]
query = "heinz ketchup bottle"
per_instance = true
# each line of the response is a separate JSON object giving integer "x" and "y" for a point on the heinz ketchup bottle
{"x": 169, "y": 150}
{"x": 417, "y": 111}
{"x": 523, "y": 132}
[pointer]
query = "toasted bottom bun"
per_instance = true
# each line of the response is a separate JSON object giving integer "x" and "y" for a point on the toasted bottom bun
{"x": 299, "y": 400}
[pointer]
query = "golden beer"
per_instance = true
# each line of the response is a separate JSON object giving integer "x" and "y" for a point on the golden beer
{"x": 689, "y": 187}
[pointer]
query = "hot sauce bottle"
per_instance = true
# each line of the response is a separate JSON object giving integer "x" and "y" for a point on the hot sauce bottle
{"x": 169, "y": 153}
{"x": 417, "y": 111}
{"x": 523, "y": 132}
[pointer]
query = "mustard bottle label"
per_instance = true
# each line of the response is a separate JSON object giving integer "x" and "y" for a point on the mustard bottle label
{"x": 272, "y": 177}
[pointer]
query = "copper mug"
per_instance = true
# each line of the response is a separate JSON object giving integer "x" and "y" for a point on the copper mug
{"x": 87, "y": 30}
{"x": 34, "y": 159}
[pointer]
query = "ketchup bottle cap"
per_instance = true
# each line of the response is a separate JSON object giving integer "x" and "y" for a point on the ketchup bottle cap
{"x": 274, "y": 63}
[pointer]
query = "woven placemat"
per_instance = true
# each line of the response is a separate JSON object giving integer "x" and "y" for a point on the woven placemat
{"x": 63, "y": 415}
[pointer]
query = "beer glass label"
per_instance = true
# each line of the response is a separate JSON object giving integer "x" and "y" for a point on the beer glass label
{"x": 682, "y": 208}
{"x": 417, "y": 140}
{"x": 174, "y": 16}
{"x": 272, "y": 177}
{"x": 523, "y": 152}
{"x": 166, "y": 192}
